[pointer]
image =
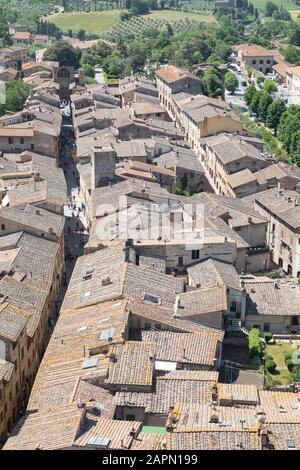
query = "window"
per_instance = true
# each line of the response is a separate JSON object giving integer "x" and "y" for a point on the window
{"x": 2, "y": 226}
{"x": 253, "y": 61}
{"x": 195, "y": 254}
{"x": 10, "y": 140}
{"x": 256, "y": 326}
{"x": 180, "y": 260}
{"x": 157, "y": 326}
{"x": 233, "y": 306}
{"x": 266, "y": 326}
{"x": 32, "y": 146}
{"x": 295, "y": 321}
{"x": 152, "y": 298}
{"x": 22, "y": 140}
{"x": 130, "y": 418}
{"x": 147, "y": 326}
{"x": 291, "y": 444}
{"x": 261, "y": 61}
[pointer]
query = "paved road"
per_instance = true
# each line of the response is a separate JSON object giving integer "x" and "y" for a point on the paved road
{"x": 99, "y": 76}
{"x": 238, "y": 97}
{"x": 76, "y": 234}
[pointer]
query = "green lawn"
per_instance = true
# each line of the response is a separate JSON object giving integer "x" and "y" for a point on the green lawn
{"x": 277, "y": 351}
{"x": 154, "y": 429}
{"x": 104, "y": 21}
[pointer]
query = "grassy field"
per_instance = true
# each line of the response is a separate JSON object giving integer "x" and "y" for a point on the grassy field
{"x": 91, "y": 22}
{"x": 288, "y": 5}
{"x": 294, "y": 15}
{"x": 104, "y": 21}
{"x": 172, "y": 15}
{"x": 277, "y": 351}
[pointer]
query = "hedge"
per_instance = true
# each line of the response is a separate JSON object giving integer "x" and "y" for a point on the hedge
{"x": 255, "y": 346}
{"x": 268, "y": 336}
{"x": 256, "y": 362}
{"x": 270, "y": 365}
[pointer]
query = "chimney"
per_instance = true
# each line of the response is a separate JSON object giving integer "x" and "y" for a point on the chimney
{"x": 106, "y": 281}
{"x": 214, "y": 418}
{"x": 214, "y": 393}
{"x": 112, "y": 357}
{"x": 264, "y": 438}
{"x": 261, "y": 419}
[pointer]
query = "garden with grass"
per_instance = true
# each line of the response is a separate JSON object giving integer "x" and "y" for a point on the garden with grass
{"x": 277, "y": 359}
{"x": 286, "y": 369}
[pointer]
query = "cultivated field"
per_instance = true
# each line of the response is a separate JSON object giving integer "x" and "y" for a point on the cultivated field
{"x": 105, "y": 21}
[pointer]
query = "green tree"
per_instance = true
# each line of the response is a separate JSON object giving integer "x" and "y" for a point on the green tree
{"x": 275, "y": 110}
{"x": 212, "y": 82}
{"x": 270, "y": 86}
{"x": 139, "y": 7}
{"x": 294, "y": 37}
{"x": 89, "y": 70}
{"x": 295, "y": 147}
{"x": 270, "y": 8}
{"x": 63, "y": 53}
{"x": 291, "y": 55}
{"x": 289, "y": 125}
{"x": 81, "y": 34}
{"x": 230, "y": 82}
{"x": 248, "y": 95}
{"x": 254, "y": 103}
{"x": 264, "y": 102}
{"x": 17, "y": 93}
